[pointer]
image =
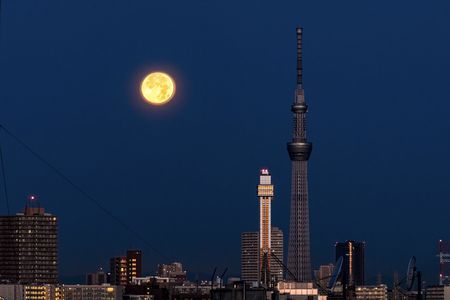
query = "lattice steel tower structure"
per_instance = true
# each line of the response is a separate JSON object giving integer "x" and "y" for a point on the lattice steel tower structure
{"x": 299, "y": 259}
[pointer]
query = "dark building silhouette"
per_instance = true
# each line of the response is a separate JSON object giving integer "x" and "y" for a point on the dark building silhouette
{"x": 124, "y": 269}
{"x": 152, "y": 291}
{"x": 299, "y": 257}
{"x": 250, "y": 266}
{"x": 134, "y": 264}
{"x": 97, "y": 278}
{"x": 118, "y": 270}
{"x": 173, "y": 270}
{"x": 353, "y": 261}
{"x": 250, "y": 256}
{"x": 29, "y": 246}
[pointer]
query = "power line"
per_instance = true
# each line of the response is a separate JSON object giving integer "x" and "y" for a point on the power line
{"x": 82, "y": 191}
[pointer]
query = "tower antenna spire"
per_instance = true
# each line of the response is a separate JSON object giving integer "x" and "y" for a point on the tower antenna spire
{"x": 299, "y": 57}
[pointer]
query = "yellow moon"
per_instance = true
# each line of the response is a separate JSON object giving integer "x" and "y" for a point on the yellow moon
{"x": 158, "y": 88}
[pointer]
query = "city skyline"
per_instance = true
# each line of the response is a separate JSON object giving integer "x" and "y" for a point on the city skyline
{"x": 376, "y": 91}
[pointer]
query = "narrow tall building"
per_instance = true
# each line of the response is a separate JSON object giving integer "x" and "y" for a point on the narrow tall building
{"x": 134, "y": 265}
{"x": 265, "y": 196}
{"x": 124, "y": 269}
{"x": 29, "y": 246}
{"x": 352, "y": 261}
{"x": 299, "y": 259}
{"x": 118, "y": 270}
{"x": 262, "y": 251}
{"x": 277, "y": 250}
{"x": 250, "y": 256}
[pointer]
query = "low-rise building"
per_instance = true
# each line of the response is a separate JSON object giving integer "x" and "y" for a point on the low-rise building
{"x": 299, "y": 290}
{"x": 371, "y": 292}
{"x": 438, "y": 292}
{"x": 60, "y": 292}
{"x": 91, "y": 292}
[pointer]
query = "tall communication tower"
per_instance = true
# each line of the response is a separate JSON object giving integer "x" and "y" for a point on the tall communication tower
{"x": 444, "y": 262}
{"x": 299, "y": 259}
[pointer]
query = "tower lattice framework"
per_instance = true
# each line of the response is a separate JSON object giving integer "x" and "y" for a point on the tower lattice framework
{"x": 299, "y": 258}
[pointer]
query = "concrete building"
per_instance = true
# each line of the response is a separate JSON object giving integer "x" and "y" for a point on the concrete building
{"x": 353, "y": 263}
{"x": 123, "y": 269}
{"x": 371, "y": 292}
{"x": 277, "y": 248}
{"x": 134, "y": 264}
{"x": 239, "y": 291}
{"x": 265, "y": 195}
{"x": 60, "y": 292}
{"x": 11, "y": 292}
{"x": 298, "y": 290}
{"x": 118, "y": 270}
{"x": 324, "y": 273}
{"x": 29, "y": 246}
{"x": 173, "y": 270}
{"x": 91, "y": 292}
{"x": 262, "y": 251}
{"x": 97, "y": 278}
{"x": 438, "y": 292}
{"x": 250, "y": 259}
{"x": 30, "y": 292}
{"x": 250, "y": 256}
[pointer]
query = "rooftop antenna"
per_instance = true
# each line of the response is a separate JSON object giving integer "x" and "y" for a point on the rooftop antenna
{"x": 299, "y": 57}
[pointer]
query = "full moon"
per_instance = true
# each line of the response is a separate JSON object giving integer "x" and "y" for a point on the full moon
{"x": 158, "y": 88}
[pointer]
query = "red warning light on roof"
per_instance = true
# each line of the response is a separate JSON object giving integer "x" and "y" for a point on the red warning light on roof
{"x": 32, "y": 197}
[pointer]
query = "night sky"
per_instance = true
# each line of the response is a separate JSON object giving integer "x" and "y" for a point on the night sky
{"x": 184, "y": 175}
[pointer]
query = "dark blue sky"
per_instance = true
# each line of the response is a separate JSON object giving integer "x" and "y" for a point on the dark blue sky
{"x": 377, "y": 83}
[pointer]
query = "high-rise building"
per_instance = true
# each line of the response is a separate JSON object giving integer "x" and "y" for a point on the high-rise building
{"x": 352, "y": 254}
{"x": 123, "y": 269}
{"x": 29, "y": 246}
{"x": 299, "y": 259}
{"x": 118, "y": 270}
{"x": 134, "y": 264}
{"x": 265, "y": 196}
{"x": 250, "y": 259}
{"x": 277, "y": 249}
{"x": 262, "y": 252}
{"x": 444, "y": 262}
{"x": 250, "y": 256}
